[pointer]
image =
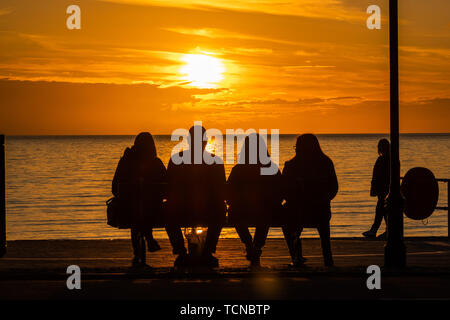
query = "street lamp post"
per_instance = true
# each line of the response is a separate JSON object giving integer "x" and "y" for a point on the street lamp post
{"x": 394, "y": 251}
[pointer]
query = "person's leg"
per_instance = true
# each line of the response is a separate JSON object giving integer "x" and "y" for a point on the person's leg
{"x": 383, "y": 215}
{"x": 384, "y": 212}
{"x": 138, "y": 243}
{"x": 244, "y": 235}
{"x": 246, "y": 238}
{"x": 152, "y": 244}
{"x": 324, "y": 232}
{"x": 292, "y": 237}
{"x": 176, "y": 240}
{"x": 135, "y": 242}
{"x": 289, "y": 236}
{"x": 298, "y": 250}
{"x": 212, "y": 237}
{"x": 259, "y": 240}
{"x": 379, "y": 214}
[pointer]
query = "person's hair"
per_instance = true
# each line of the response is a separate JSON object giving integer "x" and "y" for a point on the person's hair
{"x": 308, "y": 147}
{"x": 384, "y": 147}
{"x": 145, "y": 144}
{"x": 253, "y": 139}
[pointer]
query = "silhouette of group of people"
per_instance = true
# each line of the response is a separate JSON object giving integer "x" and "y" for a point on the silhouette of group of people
{"x": 197, "y": 193}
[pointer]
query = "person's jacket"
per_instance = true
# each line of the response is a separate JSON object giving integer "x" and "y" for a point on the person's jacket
{"x": 253, "y": 198}
{"x": 381, "y": 177}
{"x": 309, "y": 187}
{"x": 196, "y": 193}
{"x": 139, "y": 184}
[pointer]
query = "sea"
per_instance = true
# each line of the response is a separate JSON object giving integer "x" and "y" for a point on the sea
{"x": 56, "y": 186}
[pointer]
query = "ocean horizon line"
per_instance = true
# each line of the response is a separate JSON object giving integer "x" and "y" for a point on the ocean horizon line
{"x": 281, "y": 134}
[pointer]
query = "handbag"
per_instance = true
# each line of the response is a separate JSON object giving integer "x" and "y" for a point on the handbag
{"x": 115, "y": 214}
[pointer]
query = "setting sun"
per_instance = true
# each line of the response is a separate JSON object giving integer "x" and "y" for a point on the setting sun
{"x": 202, "y": 70}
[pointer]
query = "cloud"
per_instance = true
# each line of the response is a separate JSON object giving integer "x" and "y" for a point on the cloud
{"x": 330, "y": 9}
{"x": 217, "y": 33}
{"x": 349, "y": 114}
{"x": 299, "y": 48}
{"x": 5, "y": 11}
{"x": 41, "y": 107}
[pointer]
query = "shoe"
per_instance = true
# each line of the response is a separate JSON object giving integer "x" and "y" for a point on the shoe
{"x": 136, "y": 262}
{"x": 370, "y": 234}
{"x": 182, "y": 260}
{"x": 299, "y": 262}
{"x": 382, "y": 236}
{"x": 210, "y": 261}
{"x": 152, "y": 245}
{"x": 328, "y": 262}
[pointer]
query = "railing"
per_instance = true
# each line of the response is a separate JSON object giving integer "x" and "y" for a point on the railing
{"x": 448, "y": 201}
{"x": 448, "y": 193}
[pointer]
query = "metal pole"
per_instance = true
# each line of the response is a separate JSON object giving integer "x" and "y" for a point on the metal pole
{"x": 2, "y": 197}
{"x": 394, "y": 251}
{"x": 448, "y": 208}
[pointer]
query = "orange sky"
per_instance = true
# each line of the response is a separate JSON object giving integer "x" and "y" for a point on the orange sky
{"x": 298, "y": 66}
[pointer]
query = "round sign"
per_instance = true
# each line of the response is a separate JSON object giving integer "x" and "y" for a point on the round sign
{"x": 421, "y": 191}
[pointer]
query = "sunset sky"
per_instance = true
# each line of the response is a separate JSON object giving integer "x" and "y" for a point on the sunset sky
{"x": 158, "y": 65}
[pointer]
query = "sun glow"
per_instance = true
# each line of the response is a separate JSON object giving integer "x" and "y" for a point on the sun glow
{"x": 201, "y": 70}
{"x": 211, "y": 146}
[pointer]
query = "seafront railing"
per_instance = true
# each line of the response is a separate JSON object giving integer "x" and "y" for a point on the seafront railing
{"x": 448, "y": 201}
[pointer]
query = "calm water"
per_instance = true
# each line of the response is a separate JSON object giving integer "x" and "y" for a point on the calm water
{"x": 57, "y": 186}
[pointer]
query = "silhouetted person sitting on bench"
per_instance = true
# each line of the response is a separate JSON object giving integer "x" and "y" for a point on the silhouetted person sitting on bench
{"x": 136, "y": 171}
{"x": 196, "y": 197}
{"x": 311, "y": 183}
{"x": 253, "y": 198}
{"x": 381, "y": 178}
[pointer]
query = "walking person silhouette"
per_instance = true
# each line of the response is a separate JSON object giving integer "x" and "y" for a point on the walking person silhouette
{"x": 381, "y": 177}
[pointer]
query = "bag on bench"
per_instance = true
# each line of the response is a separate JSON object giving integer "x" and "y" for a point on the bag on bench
{"x": 115, "y": 215}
